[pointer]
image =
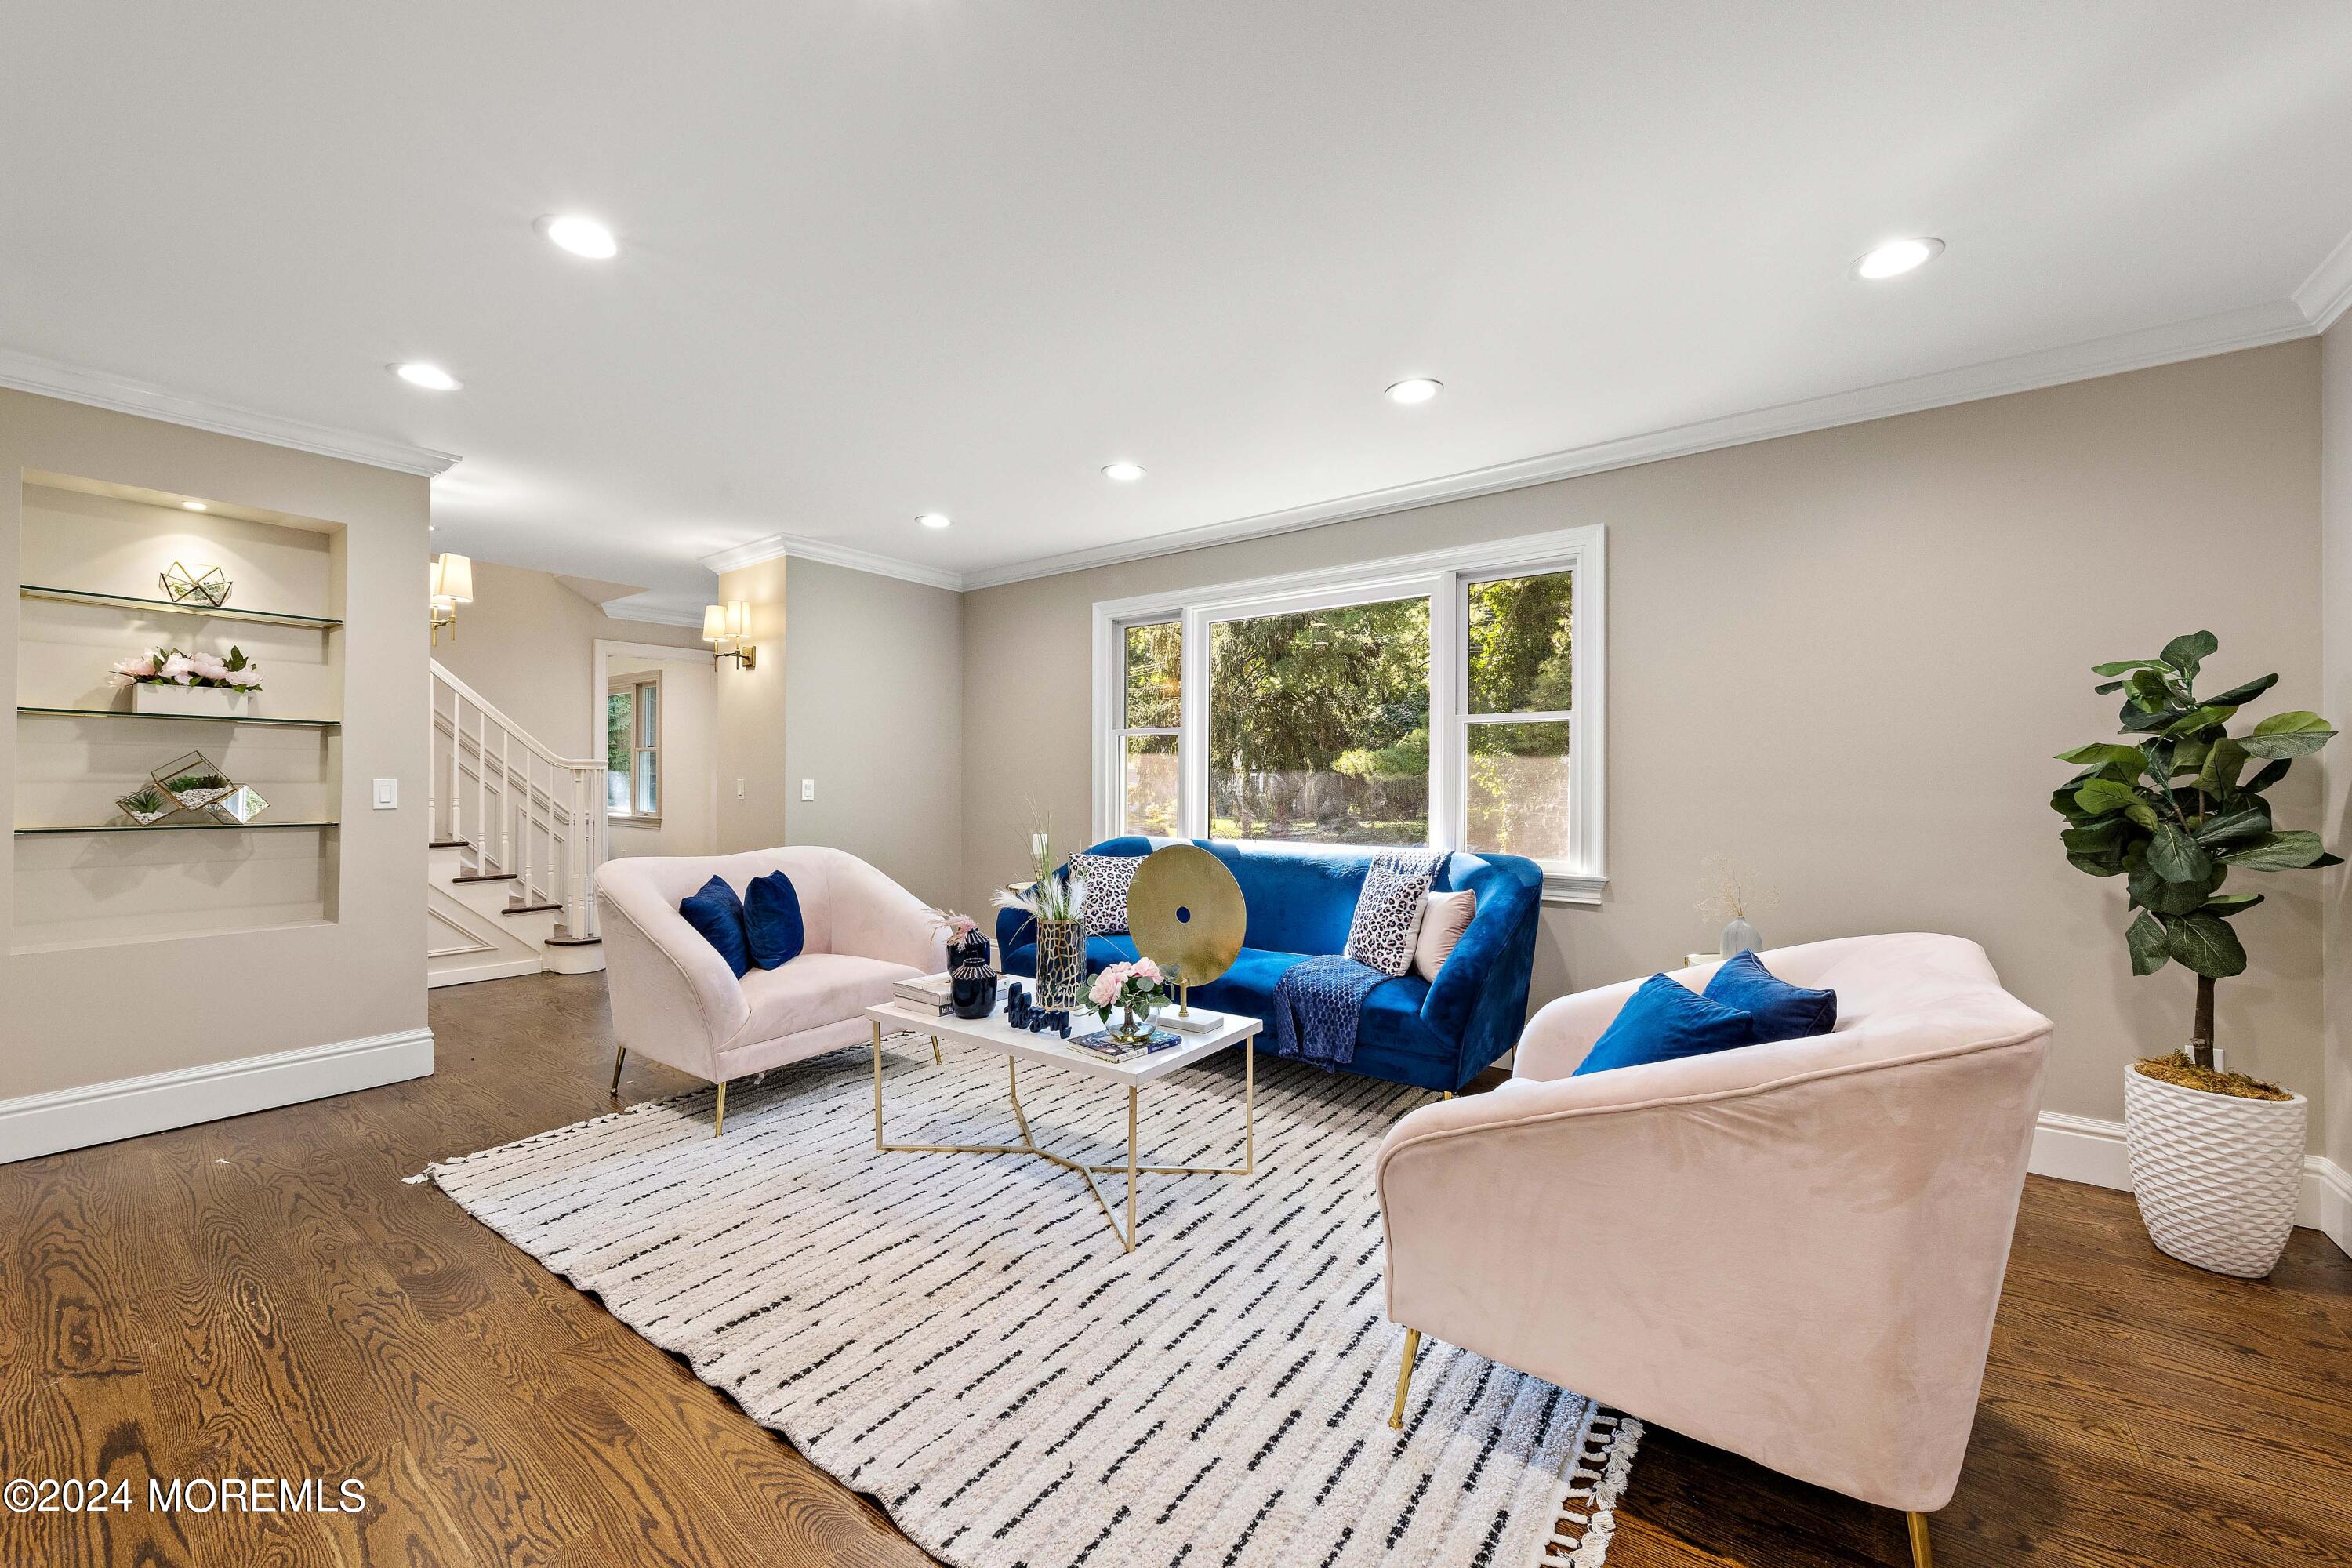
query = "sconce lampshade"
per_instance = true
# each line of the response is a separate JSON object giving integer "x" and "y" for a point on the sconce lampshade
{"x": 452, "y": 579}
{"x": 714, "y": 622}
{"x": 731, "y": 620}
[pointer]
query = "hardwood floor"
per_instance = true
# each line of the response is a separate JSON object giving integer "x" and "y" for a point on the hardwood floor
{"x": 265, "y": 1297}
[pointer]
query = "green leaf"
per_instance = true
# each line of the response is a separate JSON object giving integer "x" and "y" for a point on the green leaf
{"x": 2199, "y": 719}
{"x": 2148, "y": 947}
{"x": 2062, "y": 802}
{"x": 2106, "y": 754}
{"x": 2100, "y": 797}
{"x": 2239, "y": 696}
{"x": 2219, "y": 776}
{"x": 2278, "y": 852}
{"x": 2135, "y": 720}
{"x": 2247, "y": 822}
{"x": 2205, "y": 945}
{"x": 2139, "y": 811}
{"x": 2151, "y": 891}
{"x": 2124, "y": 666}
{"x": 2296, "y": 734}
{"x": 2265, "y": 776}
{"x": 2189, "y": 756}
{"x": 2177, "y": 858}
{"x": 2107, "y": 686}
{"x": 2098, "y": 848}
{"x": 2232, "y": 903}
{"x": 2185, "y": 653}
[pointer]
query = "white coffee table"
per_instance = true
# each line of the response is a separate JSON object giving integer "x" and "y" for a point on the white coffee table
{"x": 1018, "y": 1045}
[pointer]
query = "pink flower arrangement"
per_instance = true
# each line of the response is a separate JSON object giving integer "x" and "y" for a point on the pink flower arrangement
{"x": 168, "y": 665}
{"x": 1133, "y": 985}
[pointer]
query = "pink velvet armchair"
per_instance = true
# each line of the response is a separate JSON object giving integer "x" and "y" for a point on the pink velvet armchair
{"x": 1792, "y": 1251}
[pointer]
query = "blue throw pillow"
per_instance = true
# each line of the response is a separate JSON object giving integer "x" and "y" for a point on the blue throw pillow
{"x": 1781, "y": 1011}
{"x": 718, "y": 914}
{"x": 1663, "y": 1020}
{"x": 772, "y": 919}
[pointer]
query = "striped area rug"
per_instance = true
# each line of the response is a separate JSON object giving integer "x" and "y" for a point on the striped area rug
{"x": 960, "y": 1337}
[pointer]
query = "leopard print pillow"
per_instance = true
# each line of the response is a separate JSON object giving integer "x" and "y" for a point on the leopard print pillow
{"x": 1387, "y": 914}
{"x": 1107, "y": 878}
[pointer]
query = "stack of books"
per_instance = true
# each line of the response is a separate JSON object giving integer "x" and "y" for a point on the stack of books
{"x": 1100, "y": 1044}
{"x": 926, "y": 993}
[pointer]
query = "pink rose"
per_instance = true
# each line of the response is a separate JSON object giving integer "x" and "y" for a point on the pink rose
{"x": 177, "y": 668}
{"x": 1146, "y": 970}
{"x": 1104, "y": 992}
{"x": 208, "y": 665}
{"x": 140, "y": 669}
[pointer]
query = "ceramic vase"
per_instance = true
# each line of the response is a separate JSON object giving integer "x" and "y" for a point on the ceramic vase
{"x": 1061, "y": 965}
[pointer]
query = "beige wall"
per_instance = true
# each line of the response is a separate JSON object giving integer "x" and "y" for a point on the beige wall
{"x": 2336, "y": 638}
{"x": 751, "y": 718}
{"x": 90, "y": 1013}
{"x": 526, "y": 644}
{"x": 1846, "y": 658}
{"x": 689, "y": 758}
{"x": 873, "y": 715}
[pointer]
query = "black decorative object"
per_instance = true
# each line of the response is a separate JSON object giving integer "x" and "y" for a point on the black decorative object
{"x": 972, "y": 979}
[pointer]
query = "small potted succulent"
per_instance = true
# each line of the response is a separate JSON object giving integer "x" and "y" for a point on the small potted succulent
{"x": 2216, "y": 1157}
{"x": 193, "y": 781}
{"x": 1135, "y": 992}
{"x": 147, "y": 804}
{"x": 206, "y": 685}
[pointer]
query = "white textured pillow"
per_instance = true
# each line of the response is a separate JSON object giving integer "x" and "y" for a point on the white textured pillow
{"x": 1444, "y": 918}
{"x": 1387, "y": 913}
{"x": 1107, "y": 878}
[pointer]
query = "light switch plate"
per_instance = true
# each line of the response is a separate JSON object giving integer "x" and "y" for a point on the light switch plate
{"x": 808, "y": 789}
{"x": 739, "y": 789}
{"x": 387, "y": 794}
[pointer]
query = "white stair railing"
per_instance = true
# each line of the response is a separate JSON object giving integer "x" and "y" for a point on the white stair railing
{"x": 520, "y": 808}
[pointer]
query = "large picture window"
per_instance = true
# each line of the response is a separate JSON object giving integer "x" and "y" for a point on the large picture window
{"x": 1452, "y": 698}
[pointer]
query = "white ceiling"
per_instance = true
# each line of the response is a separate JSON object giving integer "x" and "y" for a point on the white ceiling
{"x": 887, "y": 257}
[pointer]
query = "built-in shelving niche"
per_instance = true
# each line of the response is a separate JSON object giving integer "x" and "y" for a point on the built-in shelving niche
{"x": 90, "y": 592}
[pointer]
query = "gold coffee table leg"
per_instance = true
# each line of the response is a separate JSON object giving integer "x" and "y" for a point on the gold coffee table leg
{"x": 1129, "y": 1237}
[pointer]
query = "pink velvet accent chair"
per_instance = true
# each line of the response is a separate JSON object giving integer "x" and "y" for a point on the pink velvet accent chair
{"x": 1793, "y": 1251}
{"x": 676, "y": 1000}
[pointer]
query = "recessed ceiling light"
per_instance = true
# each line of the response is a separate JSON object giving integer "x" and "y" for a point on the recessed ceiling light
{"x": 192, "y": 505}
{"x": 1419, "y": 389}
{"x": 416, "y": 373}
{"x": 1125, "y": 473}
{"x": 580, "y": 236}
{"x": 933, "y": 519}
{"x": 1897, "y": 257}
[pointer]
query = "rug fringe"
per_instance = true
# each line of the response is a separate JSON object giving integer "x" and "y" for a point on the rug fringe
{"x": 1596, "y": 1477}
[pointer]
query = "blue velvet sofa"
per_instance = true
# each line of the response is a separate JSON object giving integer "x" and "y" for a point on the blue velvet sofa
{"x": 1301, "y": 899}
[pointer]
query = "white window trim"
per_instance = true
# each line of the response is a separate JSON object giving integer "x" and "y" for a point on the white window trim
{"x": 1442, "y": 576}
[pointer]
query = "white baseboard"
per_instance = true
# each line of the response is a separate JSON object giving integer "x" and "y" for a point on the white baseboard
{"x": 496, "y": 969}
{"x": 126, "y": 1108}
{"x": 2086, "y": 1149}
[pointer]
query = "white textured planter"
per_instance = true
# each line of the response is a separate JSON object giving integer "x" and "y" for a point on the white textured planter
{"x": 2215, "y": 1176}
{"x": 196, "y": 701}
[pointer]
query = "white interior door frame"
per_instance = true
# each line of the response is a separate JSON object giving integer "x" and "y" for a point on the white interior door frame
{"x": 600, "y": 676}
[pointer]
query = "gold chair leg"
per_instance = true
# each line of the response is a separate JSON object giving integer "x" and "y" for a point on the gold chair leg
{"x": 1921, "y": 1557}
{"x": 1405, "y": 1378}
{"x": 935, "y": 1050}
{"x": 619, "y": 1057}
{"x": 719, "y": 1122}
{"x": 1447, "y": 1095}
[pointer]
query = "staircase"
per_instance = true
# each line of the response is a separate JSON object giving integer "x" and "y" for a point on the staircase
{"x": 517, "y": 835}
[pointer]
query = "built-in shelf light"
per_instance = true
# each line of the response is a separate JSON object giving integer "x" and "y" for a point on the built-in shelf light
{"x": 431, "y": 377}
{"x": 933, "y": 519}
{"x": 580, "y": 236}
{"x": 1419, "y": 389}
{"x": 1125, "y": 473}
{"x": 191, "y": 506}
{"x": 1897, "y": 257}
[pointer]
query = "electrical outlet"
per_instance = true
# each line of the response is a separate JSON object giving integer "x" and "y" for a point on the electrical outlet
{"x": 739, "y": 789}
{"x": 387, "y": 794}
{"x": 808, "y": 789}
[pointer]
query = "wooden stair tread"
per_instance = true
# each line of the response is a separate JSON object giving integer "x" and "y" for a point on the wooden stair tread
{"x": 485, "y": 877}
{"x": 450, "y": 843}
{"x": 528, "y": 909}
{"x": 575, "y": 941}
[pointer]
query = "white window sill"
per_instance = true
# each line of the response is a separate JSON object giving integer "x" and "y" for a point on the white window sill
{"x": 1562, "y": 888}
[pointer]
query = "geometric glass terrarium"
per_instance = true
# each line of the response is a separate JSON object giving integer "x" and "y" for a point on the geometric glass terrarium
{"x": 241, "y": 805}
{"x": 187, "y": 587}
{"x": 147, "y": 804}
{"x": 193, "y": 781}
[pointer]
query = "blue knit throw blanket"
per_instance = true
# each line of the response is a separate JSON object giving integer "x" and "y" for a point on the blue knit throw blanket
{"x": 1316, "y": 1004}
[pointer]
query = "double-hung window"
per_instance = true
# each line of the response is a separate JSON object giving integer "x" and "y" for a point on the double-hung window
{"x": 1452, "y": 698}
{"x": 633, "y": 711}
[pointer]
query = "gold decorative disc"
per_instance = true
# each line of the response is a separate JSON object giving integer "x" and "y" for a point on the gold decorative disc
{"x": 1185, "y": 912}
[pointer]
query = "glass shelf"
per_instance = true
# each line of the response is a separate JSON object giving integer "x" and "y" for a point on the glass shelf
{"x": 173, "y": 827}
{"x": 218, "y": 613}
{"x": 180, "y": 718}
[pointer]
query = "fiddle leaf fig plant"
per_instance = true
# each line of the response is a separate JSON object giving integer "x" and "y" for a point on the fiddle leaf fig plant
{"x": 2179, "y": 810}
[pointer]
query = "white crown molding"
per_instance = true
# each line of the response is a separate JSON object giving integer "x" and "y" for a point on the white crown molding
{"x": 2088, "y": 1149}
{"x": 653, "y": 615}
{"x": 774, "y": 545}
{"x": 2329, "y": 290}
{"x": 2249, "y": 327}
{"x": 37, "y": 1125}
{"x": 103, "y": 389}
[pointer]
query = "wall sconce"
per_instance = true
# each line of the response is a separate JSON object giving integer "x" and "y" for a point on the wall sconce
{"x": 452, "y": 585}
{"x": 728, "y": 630}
